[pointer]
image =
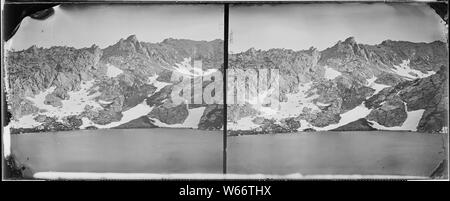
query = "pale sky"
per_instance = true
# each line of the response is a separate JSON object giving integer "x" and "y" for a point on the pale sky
{"x": 299, "y": 27}
{"x": 104, "y": 25}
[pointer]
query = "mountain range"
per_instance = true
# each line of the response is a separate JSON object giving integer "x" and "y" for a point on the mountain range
{"x": 125, "y": 85}
{"x": 395, "y": 85}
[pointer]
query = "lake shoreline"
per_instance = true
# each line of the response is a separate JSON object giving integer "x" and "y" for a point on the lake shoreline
{"x": 103, "y": 129}
{"x": 236, "y": 134}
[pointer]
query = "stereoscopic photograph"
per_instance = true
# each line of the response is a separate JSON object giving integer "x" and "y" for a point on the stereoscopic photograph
{"x": 338, "y": 91}
{"x": 223, "y": 91}
{"x": 115, "y": 88}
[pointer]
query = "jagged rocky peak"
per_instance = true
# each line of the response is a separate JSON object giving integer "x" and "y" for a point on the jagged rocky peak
{"x": 169, "y": 40}
{"x": 95, "y": 49}
{"x": 128, "y": 46}
{"x": 313, "y": 51}
{"x": 251, "y": 51}
{"x": 94, "y": 46}
{"x": 386, "y": 42}
{"x": 344, "y": 51}
{"x": 132, "y": 38}
{"x": 33, "y": 49}
{"x": 350, "y": 40}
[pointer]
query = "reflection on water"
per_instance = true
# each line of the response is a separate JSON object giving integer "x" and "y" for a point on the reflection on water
{"x": 344, "y": 153}
{"x": 123, "y": 151}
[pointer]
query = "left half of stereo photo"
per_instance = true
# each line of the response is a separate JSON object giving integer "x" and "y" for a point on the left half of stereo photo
{"x": 113, "y": 91}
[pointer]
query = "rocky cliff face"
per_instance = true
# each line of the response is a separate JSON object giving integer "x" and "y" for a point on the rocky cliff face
{"x": 394, "y": 85}
{"x": 126, "y": 85}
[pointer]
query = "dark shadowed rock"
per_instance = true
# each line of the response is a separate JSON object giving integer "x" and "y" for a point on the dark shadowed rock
{"x": 358, "y": 125}
{"x": 170, "y": 114}
{"x": 391, "y": 113}
{"x": 429, "y": 93}
{"x": 141, "y": 122}
{"x": 212, "y": 118}
{"x": 52, "y": 100}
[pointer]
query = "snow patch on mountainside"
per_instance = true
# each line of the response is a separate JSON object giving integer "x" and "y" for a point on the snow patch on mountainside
{"x": 26, "y": 121}
{"x": 159, "y": 85}
{"x": 194, "y": 117}
{"x": 191, "y": 121}
{"x": 410, "y": 124}
{"x": 322, "y": 104}
{"x": 304, "y": 125}
{"x": 356, "y": 113}
{"x": 406, "y": 71}
{"x": 79, "y": 100}
{"x": 185, "y": 68}
{"x": 299, "y": 101}
{"x": 376, "y": 86}
{"x": 295, "y": 104}
{"x": 293, "y": 107}
{"x": 86, "y": 122}
{"x": 244, "y": 123}
{"x": 39, "y": 99}
{"x": 331, "y": 73}
{"x": 105, "y": 102}
{"x": 75, "y": 105}
{"x": 112, "y": 71}
{"x": 127, "y": 116}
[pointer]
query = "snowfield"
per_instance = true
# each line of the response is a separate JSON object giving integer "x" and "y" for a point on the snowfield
{"x": 331, "y": 73}
{"x": 378, "y": 87}
{"x": 244, "y": 123}
{"x": 78, "y": 100}
{"x": 159, "y": 85}
{"x": 75, "y": 105}
{"x": 185, "y": 68}
{"x": 26, "y": 121}
{"x": 105, "y": 102}
{"x": 299, "y": 101}
{"x": 354, "y": 114}
{"x": 406, "y": 71}
{"x": 112, "y": 71}
{"x": 129, "y": 115}
{"x": 322, "y": 104}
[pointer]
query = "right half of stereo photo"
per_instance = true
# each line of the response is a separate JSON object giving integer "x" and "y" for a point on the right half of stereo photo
{"x": 338, "y": 91}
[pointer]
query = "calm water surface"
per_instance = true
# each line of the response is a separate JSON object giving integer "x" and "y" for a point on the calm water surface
{"x": 194, "y": 151}
{"x": 347, "y": 153}
{"x": 121, "y": 151}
